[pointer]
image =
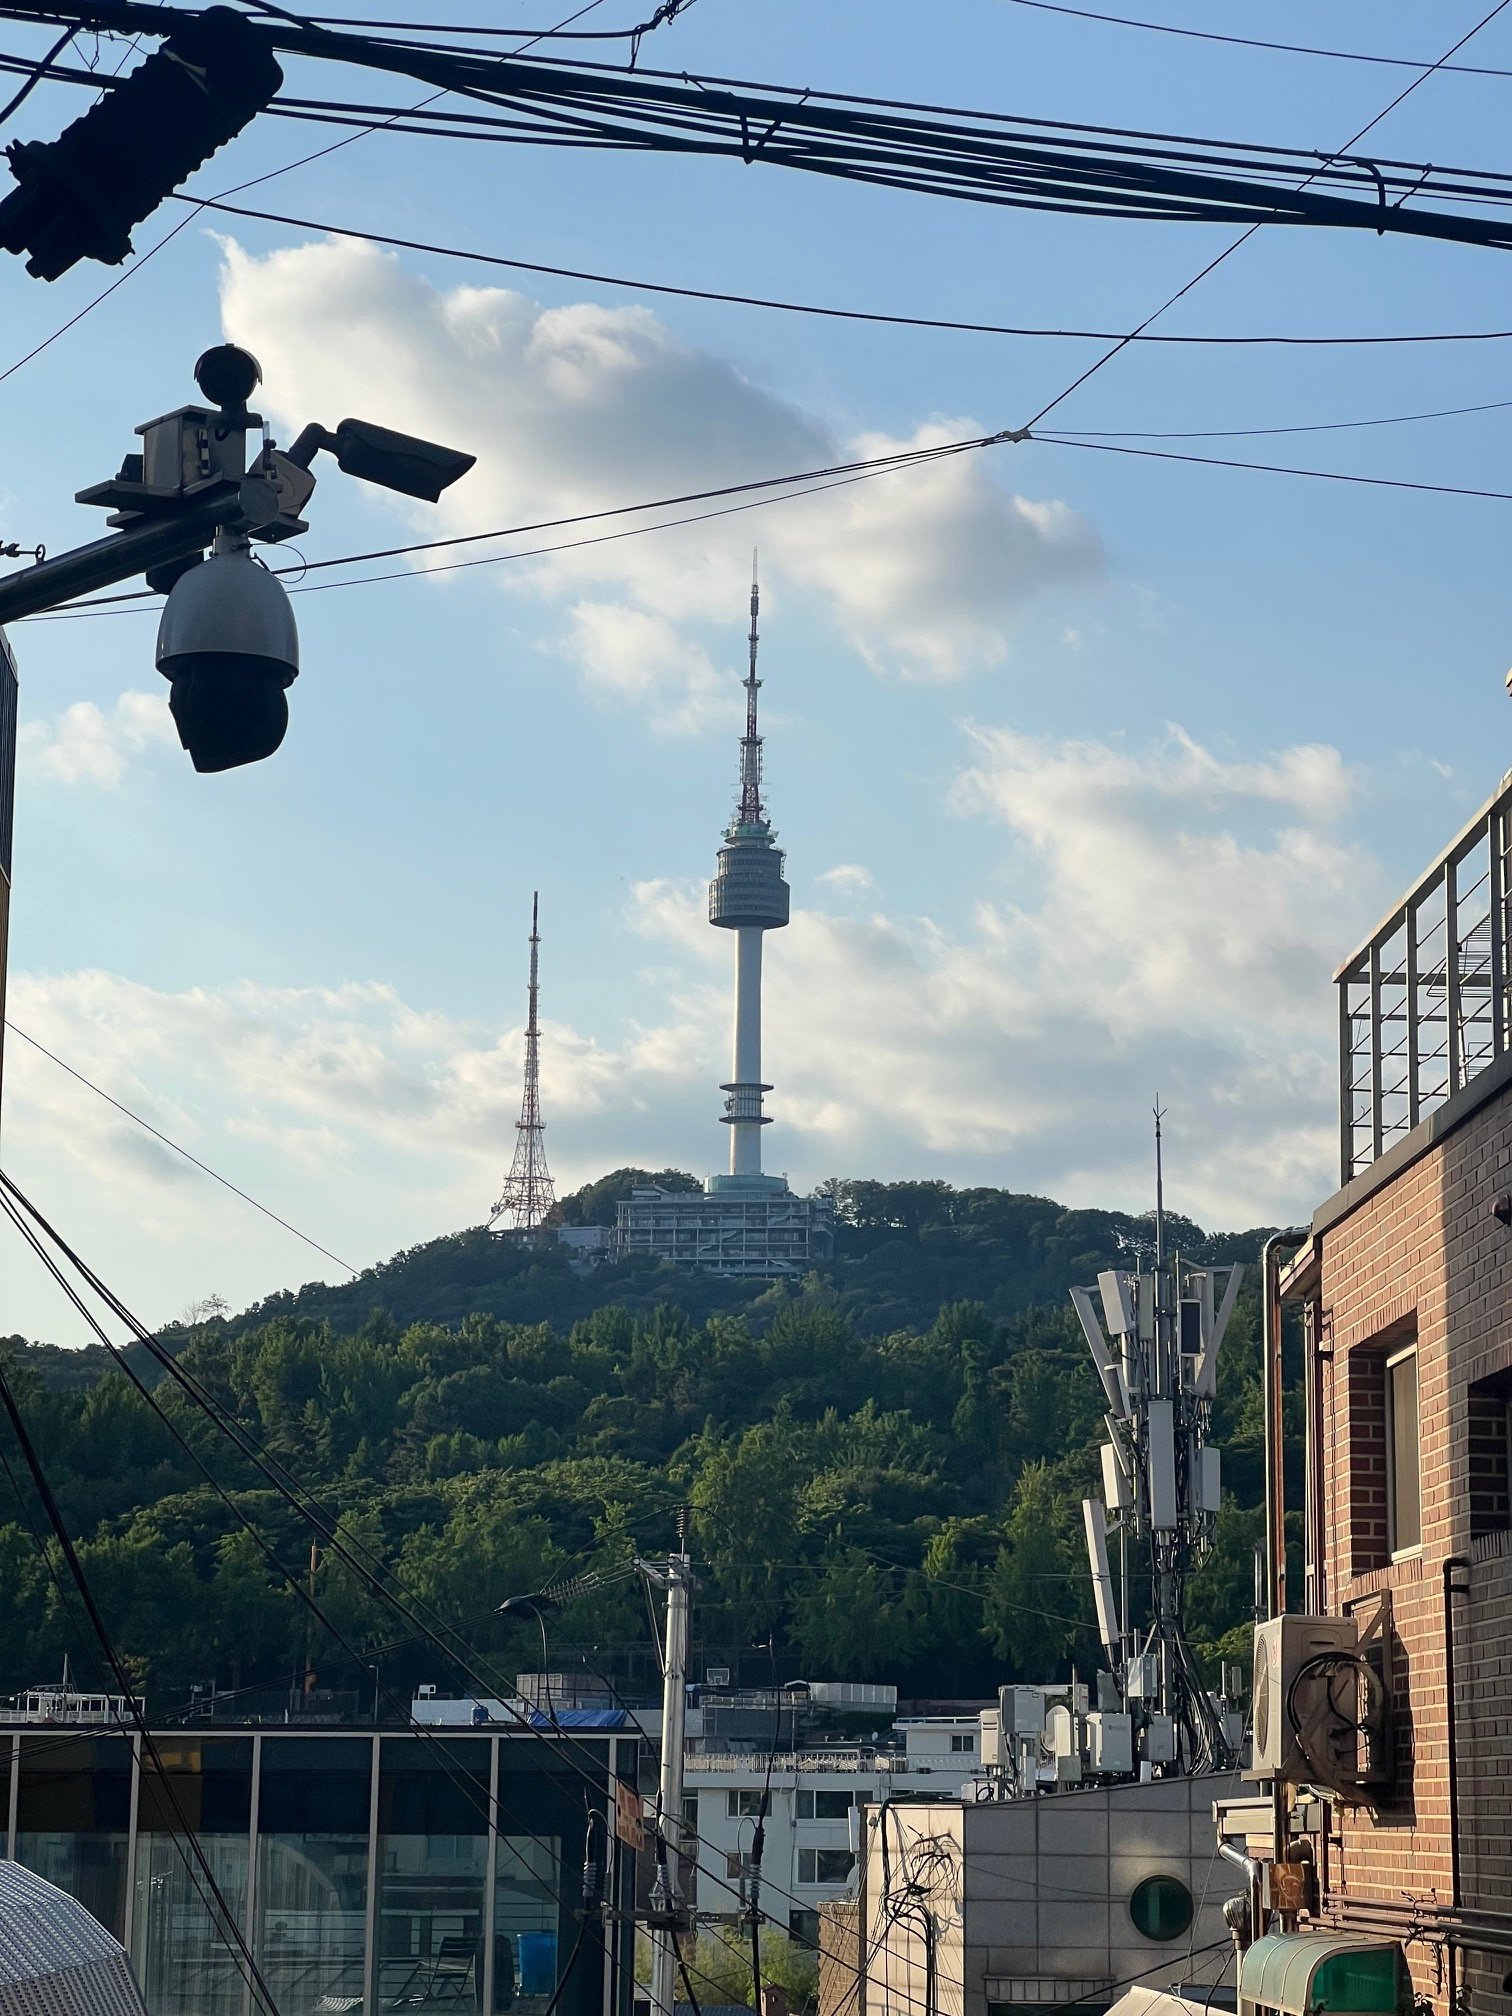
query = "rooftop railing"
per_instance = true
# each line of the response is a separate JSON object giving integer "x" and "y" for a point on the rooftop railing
{"x": 1424, "y": 1002}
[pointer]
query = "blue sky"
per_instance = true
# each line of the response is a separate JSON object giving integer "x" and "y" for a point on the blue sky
{"x": 1090, "y": 768}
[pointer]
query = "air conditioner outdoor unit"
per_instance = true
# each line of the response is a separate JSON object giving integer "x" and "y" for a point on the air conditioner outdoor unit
{"x": 1306, "y": 1699}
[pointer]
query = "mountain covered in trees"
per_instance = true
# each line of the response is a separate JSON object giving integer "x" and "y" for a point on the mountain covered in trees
{"x": 884, "y": 1461}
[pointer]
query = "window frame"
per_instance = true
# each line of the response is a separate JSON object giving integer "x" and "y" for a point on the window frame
{"x": 1413, "y": 1548}
{"x": 735, "y": 1802}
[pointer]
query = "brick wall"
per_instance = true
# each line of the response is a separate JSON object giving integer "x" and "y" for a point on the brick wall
{"x": 1423, "y": 1255}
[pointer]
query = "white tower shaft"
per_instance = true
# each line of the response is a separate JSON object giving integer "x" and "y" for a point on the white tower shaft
{"x": 745, "y": 1129}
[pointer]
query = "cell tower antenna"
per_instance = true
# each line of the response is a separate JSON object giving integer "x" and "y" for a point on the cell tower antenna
{"x": 529, "y": 1197}
{"x": 1160, "y": 1113}
{"x": 752, "y": 812}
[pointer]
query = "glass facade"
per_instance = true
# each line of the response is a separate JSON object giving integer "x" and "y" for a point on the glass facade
{"x": 370, "y": 1872}
{"x": 310, "y": 1917}
{"x": 185, "y": 1959}
{"x": 73, "y": 1819}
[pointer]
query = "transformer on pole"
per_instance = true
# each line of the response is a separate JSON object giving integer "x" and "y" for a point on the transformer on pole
{"x": 1154, "y": 1338}
{"x": 529, "y": 1196}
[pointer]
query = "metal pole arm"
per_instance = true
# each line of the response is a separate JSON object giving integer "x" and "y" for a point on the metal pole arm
{"x": 152, "y": 543}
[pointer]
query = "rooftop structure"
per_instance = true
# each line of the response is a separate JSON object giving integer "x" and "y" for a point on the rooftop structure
{"x": 529, "y": 1197}
{"x": 744, "y": 1222}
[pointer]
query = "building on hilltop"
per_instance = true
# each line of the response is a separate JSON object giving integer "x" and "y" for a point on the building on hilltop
{"x": 744, "y": 1222}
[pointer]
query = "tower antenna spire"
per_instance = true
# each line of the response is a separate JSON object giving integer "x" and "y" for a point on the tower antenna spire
{"x": 752, "y": 812}
{"x": 529, "y": 1196}
{"x": 1160, "y": 1113}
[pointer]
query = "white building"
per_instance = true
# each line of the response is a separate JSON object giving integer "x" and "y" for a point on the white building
{"x": 811, "y": 1838}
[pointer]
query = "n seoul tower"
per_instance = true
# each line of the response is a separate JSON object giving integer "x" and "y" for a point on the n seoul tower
{"x": 748, "y": 896}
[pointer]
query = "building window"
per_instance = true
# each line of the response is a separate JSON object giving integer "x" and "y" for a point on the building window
{"x": 1404, "y": 1521}
{"x": 963, "y": 1745}
{"x": 744, "y": 1803}
{"x": 1161, "y": 1907}
{"x": 825, "y": 1865}
{"x": 1491, "y": 1455}
{"x": 824, "y": 1805}
{"x": 803, "y": 1928}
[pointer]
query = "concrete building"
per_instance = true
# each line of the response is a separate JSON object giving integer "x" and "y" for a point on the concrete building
{"x": 816, "y": 1796}
{"x": 743, "y": 1222}
{"x": 1022, "y": 1907}
{"x": 1405, "y": 1284}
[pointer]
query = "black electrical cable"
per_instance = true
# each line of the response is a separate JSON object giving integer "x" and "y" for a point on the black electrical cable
{"x": 294, "y": 1582}
{"x": 845, "y": 471}
{"x": 1245, "y": 235}
{"x": 255, "y": 182}
{"x": 39, "y": 71}
{"x": 818, "y": 308}
{"x": 1253, "y": 433}
{"x": 989, "y": 158}
{"x": 168, "y": 1142}
{"x": 200, "y": 1871}
{"x": 1275, "y": 468}
{"x": 309, "y": 1508}
{"x": 1252, "y": 42}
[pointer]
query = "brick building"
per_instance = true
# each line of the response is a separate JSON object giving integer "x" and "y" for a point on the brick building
{"x": 1405, "y": 1284}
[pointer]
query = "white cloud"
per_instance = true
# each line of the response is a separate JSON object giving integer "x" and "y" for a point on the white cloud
{"x": 849, "y": 877}
{"x": 628, "y": 655}
{"x": 576, "y": 408}
{"x": 84, "y": 745}
{"x": 1166, "y": 918}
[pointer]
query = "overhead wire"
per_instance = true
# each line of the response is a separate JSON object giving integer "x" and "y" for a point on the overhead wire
{"x": 295, "y": 1582}
{"x": 39, "y": 71}
{"x": 821, "y": 309}
{"x": 1255, "y": 42}
{"x": 1244, "y": 237}
{"x": 196, "y": 1862}
{"x": 47, "y": 67}
{"x": 178, "y": 1148}
{"x": 348, "y": 1548}
{"x": 977, "y": 156}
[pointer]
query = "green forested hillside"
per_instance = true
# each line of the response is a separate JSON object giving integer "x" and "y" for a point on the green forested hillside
{"x": 885, "y": 1463}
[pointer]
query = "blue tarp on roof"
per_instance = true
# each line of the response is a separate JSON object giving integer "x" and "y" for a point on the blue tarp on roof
{"x": 582, "y": 1718}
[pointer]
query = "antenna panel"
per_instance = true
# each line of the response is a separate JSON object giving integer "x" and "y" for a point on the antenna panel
{"x": 1118, "y": 1492}
{"x": 1118, "y": 1304}
{"x": 1162, "y": 1465}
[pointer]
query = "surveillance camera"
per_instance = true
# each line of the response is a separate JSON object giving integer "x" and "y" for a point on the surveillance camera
{"x": 228, "y": 376}
{"x": 228, "y": 646}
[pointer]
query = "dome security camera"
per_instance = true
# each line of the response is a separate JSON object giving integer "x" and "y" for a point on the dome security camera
{"x": 228, "y": 645}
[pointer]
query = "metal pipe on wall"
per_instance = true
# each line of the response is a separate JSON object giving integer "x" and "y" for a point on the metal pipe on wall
{"x": 1275, "y": 1475}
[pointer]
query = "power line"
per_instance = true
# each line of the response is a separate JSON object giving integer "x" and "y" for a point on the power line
{"x": 199, "y": 1869}
{"x": 178, "y": 1149}
{"x": 1276, "y": 468}
{"x": 39, "y": 71}
{"x": 1249, "y": 433}
{"x": 47, "y": 68}
{"x": 817, "y": 308}
{"x": 1253, "y": 42}
{"x": 1245, "y": 236}
{"x": 837, "y": 476}
{"x": 975, "y": 156}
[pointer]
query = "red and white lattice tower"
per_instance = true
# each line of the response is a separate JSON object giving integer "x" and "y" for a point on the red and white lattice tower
{"x": 529, "y": 1197}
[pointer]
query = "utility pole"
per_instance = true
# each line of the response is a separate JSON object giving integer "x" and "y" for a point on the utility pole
{"x": 669, "y": 1913}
